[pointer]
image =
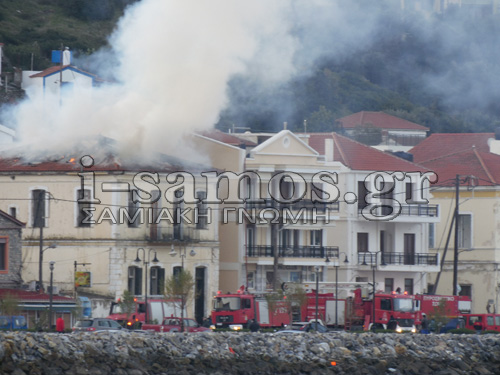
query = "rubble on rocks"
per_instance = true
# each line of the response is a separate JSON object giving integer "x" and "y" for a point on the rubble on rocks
{"x": 136, "y": 353}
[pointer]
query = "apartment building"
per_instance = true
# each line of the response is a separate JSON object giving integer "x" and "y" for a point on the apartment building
{"x": 468, "y": 168}
{"x": 338, "y": 237}
{"x": 94, "y": 216}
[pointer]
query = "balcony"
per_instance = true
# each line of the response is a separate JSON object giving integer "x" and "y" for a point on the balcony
{"x": 169, "y": 233}
{"x": 420, "y": 210}
{"x": 294, "y": 251}
{"x": 296, "y": 206}
{"x": 409, "y": 213}
{"x": 398, "y": 259}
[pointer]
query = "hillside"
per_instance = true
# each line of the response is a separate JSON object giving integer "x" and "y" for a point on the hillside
{"x": 31, "y": 29}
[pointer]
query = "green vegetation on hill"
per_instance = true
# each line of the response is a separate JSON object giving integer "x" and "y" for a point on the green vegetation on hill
{"x": 440, "y": 71}
{"x": 31, "y": 29}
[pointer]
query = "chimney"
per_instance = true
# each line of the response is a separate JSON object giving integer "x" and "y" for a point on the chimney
{"x": 66, "y": 57}
{"x": 494, "y": 143}
{"x": 328, "y": 149}
{"x": 285, "y": 125}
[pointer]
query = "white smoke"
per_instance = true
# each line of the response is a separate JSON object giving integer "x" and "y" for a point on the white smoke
{"x": 174, "y": 59}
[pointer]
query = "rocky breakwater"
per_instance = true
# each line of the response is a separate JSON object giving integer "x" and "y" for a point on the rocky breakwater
{"x": 136, "y": 353}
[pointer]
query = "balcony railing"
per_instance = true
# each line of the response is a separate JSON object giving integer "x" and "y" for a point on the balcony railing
{"x": 294, "y": 251}
{"x": 427, "y": 210}
{"x": 389, "y": 258}
{"x": 420, "y": 209}
{"x": 185, "y": 233}
{"x": 296, "y": 206}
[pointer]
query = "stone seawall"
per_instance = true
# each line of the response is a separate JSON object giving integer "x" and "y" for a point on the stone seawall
{"x": 136, "y": 353}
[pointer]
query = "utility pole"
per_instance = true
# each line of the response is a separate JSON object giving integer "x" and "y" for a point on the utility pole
{"x": 455, "y": 253}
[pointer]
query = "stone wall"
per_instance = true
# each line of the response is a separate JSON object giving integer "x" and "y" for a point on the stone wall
{"x": 135, "y": 353}
{"x": 8, "y": 229}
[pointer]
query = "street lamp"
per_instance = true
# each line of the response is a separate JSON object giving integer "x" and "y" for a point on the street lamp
{"x": 316, "y": 268}
{"x": 40, "y": 263}
{"x": 337, "y": 287}
{"x": 182, "y": 254}
{"x": 145, "y": 265}
{"x": 374, "y": 266}
{"x": 51, "y": 266}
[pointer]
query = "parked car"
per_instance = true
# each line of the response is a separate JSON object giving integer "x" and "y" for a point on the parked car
{"x": 306, "y": 327}
{"x": 96, "y": 325}
{"x": 455, "y": 323}
{"x": 173, "y": 324}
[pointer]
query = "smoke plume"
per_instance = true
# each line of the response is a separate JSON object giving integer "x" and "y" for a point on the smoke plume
{"x": 175, "y": 65}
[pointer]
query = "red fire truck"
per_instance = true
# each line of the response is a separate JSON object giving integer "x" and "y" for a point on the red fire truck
{"x": 355, "y": 310}
{"x": 157, "y": 310}
{"x": 404, "y": 310}
{"x": 240, "y": 307}
{"x": 482, "y": 322}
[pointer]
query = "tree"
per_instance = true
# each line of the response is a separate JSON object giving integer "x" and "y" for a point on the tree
{"x": 296, "y": 298}
{"x": 180, "y": 289}
{"x": 322, "y": 120}
{"x": 440, "y": 315}
{"x": 127, "y": 303}
{"x": 10, "y": 306}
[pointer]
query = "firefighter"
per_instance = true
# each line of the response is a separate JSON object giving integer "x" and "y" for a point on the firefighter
{"x": 425, "y": 324}
{"x": 392, "y": 324}
{"x": 254, "y": 326}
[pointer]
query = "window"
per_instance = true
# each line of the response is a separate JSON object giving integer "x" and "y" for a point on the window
{"x": 387, "y": 198}
{"x": 408, "y": 194}
{"x": 286, "y": 189}
{"x": 409, "y": 286}
{"x": 389, "y": 285}
{"x": 3, "y": 254}
{"x": 133, "y": 210}
{"x": 362, "y": 192}
{"x": 38, "y": 206}
{"x": 250, "y": 279}
{"x": 295, "y": 277}
{"x": 156, "y": 280}
{"x": 385, "y": 304}
{"x": 464, "y": 231}
{"x": 465, "y": 290}
{"x": 432, "y": 235}
{"x": 177, "y": 208}
{"x": 177, "y": 271}
{"x": 83, "y": 200}
{"x": 135, "y": 280}
{"x": 13, "y": 212}
{"x": 409, "y": 248}
{"x": 269, "y": 280}
{"x": 202, "y": 217}
{"x": 489, "y": 320}
{"x": 430, "y": 288}
{"x": 316, "y": 238}
{"x": 285, "y": 237}
{"x": 362, "y": 242}
{"x": 361, "y": 279}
